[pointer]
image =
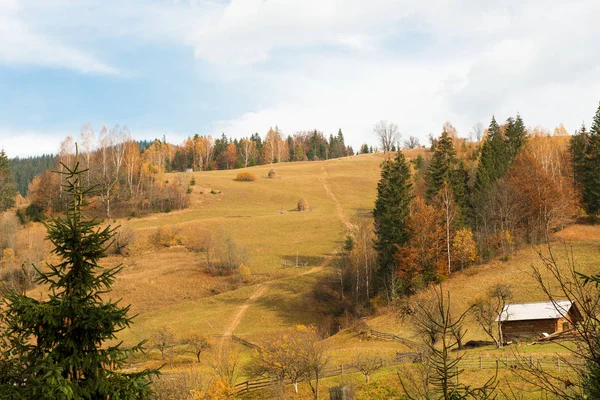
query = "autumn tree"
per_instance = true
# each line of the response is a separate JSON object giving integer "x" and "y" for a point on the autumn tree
{"x": 421, "y": 259}
{"x": 7, "y": 186}
{"x": 392, "y": 208}
{"x": 196, "y": 344}
{"x": 464, "y": 248}
{"x": 57, "y": 348}
{"x": 247, "y": 151}
{"x": 388, "y": 135}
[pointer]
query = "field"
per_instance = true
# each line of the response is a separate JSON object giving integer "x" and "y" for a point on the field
{"x": 168, "y": 286}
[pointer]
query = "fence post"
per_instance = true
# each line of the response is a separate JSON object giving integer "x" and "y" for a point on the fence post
{"x": 247, "y": 386}
{"x": 480, "y": 362}
{"x": 342, "y": 369}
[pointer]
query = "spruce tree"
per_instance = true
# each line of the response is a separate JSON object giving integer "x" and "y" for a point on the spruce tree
{"x": 577, "y": 148}
{"x": 7, "y": 186}
{"x": 392, "y": 209}
{"x": 591, "y": 169}
{"x": 442, "y": 163}
{"x": 58, "y": 348}
{"x": 515, "y": 135}
{"x": 445, "y": 167}
{"x": 493, "y": 158}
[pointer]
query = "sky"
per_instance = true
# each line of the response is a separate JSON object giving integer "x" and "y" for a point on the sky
{"x": 176, "y": 68}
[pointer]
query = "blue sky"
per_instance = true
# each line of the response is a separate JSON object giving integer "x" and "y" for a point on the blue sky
{"x": 176, "y": 68}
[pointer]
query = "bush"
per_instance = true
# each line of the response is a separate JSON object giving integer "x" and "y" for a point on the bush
{"x": 124, "y": 237}
{"x": 193, "y": 181}
{"x": 165, "y": 236}
{"x": 245, "y": 177}
{"x": 272, "y": 174}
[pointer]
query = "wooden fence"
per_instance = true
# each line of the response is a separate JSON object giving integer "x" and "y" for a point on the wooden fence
{"x": 390, "y": 336}
{"x": 481, "y": 362}
{"x": 244, "y": 342}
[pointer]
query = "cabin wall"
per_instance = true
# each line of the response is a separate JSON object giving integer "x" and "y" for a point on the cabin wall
{"x": 530, "y": 328}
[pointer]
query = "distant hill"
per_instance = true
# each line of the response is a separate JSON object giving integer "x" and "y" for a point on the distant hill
{"x": 25, "y": 169}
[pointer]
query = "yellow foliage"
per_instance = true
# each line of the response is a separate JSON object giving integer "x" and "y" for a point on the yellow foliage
{"x": 245, "y": 176}
{"x": 165, "y": 236}
{"x": 218, "y": 390}
{"x": 464, "y": 248}
{"x": 244, "y": 270}
{"x": 8, "y": 255}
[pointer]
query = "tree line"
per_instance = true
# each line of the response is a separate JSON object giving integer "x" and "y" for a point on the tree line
{"x": 476, "y": 201}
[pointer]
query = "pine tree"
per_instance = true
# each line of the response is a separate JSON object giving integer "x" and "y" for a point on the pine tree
{"x": 493, "y": 158}
{"x": 57, "y": 348}
{"x": 577, "y": 148}
{"x": 445, "y": 167}
{"x": 591, "y": 169}
{"x": 442, "y": 163}
{"x": 7, "y": 186}
{"x": 392, "y": 209}
{"x": 516, "y": 135}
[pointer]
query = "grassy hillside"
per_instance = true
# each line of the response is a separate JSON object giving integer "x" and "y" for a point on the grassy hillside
{"x": 168, "y": 286}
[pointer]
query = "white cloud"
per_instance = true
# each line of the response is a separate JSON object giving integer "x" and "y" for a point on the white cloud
{"x": 18, "y": 143}
{"x": 328, "y": 64}
{"x": 20, "y": 44}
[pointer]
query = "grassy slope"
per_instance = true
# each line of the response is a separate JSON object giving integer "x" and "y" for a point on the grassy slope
{"x": 167, "y": 286}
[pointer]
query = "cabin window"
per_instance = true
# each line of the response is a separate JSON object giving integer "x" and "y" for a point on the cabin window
{"x": 565, "y": 326}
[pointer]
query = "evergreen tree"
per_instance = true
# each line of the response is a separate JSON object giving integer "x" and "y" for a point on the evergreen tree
{"x": 516, "y": 135}
{"x": 7, "y": 186}
{"x": 577, "y": 148}
{"x": 392, "y": 209}
{"x": 57, "y": 348}
{"x": 446, "y": 167}
{"x": 442, "y": 163}
{"x": 493, "y": 159}
{"x": 591, "y": 169}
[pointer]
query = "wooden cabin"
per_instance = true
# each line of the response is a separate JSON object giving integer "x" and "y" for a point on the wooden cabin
{"x": 529, "y": 320}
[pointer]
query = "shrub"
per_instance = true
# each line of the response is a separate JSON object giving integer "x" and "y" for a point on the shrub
{"x": 124, "y": 237}
{"x": 272, "y": 174}
{"x": 165, "y": 236}
{"x": 302, "y": 204}
{"x": 193, "y": 181}
{"x": 245, "y": 177}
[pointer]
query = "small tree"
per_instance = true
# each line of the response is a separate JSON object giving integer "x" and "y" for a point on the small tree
{"x": 388, "y": 135}
{"x": 57, "y": 348}
{"x": 487, "y": 311}
{"x": 162, "y": 339}
{"x": 196, "y": 344}
{"x": 367, "y": 363}
{"x": 445, "y": 370}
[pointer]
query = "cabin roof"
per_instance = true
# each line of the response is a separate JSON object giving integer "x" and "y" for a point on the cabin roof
{"x": 529, "y": 311}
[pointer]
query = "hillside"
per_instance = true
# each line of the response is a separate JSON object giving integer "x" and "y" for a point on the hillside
{"x": 168, "y": 286}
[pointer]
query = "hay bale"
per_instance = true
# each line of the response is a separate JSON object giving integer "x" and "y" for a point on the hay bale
{"x": 272, "y": 173}
{"x": 302, "y": 204}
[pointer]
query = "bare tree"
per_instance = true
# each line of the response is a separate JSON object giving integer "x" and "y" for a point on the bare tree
{"x": 87, "y": 139}
{"x": 559, "y": 283}
{"x": 225, "y": 364}
{"x": 162, "y": 339}
{"x": 388, "y": 134}
{"x": 445, "y": 370}
{"x": 367, "y": 363}
{"x": 489, "y": 311}
{"x": 411, "y": 143}
{"x": 477, "y": 131}
{"x": 248, "y": 150}
{"x": 196, "y": 344}
{"x": 445, "y": 198}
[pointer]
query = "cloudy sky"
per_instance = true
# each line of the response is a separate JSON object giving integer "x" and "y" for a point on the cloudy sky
{"x": 177, "y": 68}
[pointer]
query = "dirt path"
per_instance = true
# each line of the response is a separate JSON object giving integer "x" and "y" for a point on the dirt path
{"x": 259, "y": 292}
{"x": 338, "y": 206}
{"x": 263, "y": 287}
